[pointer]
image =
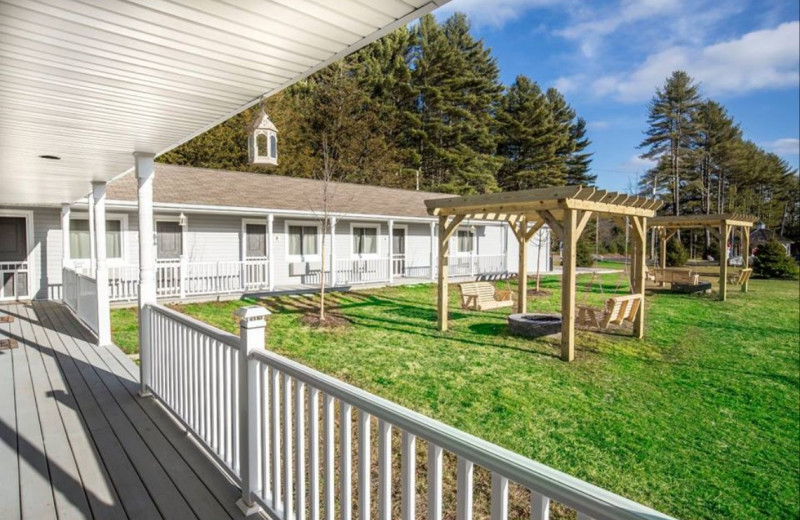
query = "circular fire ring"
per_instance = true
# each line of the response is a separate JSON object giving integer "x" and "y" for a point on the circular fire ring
{"x": 534, "y": 325}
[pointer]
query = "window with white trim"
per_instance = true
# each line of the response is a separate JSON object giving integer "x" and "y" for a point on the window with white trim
{"x": 464, "y": 241}
{"x": 303, "y": 240}
{"x": 365, "y": 240}
{"x": 256, "y": 240}
{"x": 80, "y": 240}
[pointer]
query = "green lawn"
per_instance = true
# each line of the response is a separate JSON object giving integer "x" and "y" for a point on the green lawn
{"x": 699, "y": 420}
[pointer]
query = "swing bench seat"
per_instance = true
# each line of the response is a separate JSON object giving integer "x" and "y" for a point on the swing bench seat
{"x": 618, "y": 310}
{"x": 481, "y": 296}
{"x": 740, "y": 278}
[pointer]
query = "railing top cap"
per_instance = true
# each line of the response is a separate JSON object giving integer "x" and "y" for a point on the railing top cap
{"x": 251, "y": 312}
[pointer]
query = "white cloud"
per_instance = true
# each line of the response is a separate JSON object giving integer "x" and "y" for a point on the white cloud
{"x": 492, "y": 14}
{"x": 636, "y": 164}
{"x": 763, "y": 59}
{"x": 784, "y": 146}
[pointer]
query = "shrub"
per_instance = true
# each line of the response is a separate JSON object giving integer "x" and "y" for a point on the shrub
{"x": 584, "y": 254}
{"x": 771, "y": 261}
{"x": 676, "y": 253}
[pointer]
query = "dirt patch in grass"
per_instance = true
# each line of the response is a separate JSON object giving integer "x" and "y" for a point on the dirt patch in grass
{"x": 540, "y": 292}
{"x": 331, "y": 321}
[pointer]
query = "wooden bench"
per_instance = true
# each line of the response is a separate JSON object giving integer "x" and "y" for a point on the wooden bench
{"x": 740, "y": 278}
{"x": 481, "y": 296}
{"x": 618, "y": 310}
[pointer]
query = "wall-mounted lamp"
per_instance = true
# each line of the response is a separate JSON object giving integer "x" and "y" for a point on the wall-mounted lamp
{"x": 182, "y": 220}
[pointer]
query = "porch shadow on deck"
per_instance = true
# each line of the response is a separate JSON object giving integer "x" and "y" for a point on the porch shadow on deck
{"x": 77, "y": 442}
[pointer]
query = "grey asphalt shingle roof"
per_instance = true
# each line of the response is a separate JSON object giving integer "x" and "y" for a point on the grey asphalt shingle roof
{"x": 202, "y": 186}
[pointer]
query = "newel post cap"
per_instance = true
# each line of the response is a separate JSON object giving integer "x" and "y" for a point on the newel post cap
{"x": 252, "y": 316}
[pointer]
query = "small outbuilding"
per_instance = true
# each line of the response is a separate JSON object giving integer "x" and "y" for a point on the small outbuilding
{"x": 566, "y": 210}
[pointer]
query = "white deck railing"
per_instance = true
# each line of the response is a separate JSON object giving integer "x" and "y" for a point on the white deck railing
{"x": 272, "y": 424}
{"x": 353, "y": 271}
{"x": 176, "y": 279}
{"x": 80, "y": 295}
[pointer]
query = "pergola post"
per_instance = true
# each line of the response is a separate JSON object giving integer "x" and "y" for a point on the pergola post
{"x": 745, "y": 254}
{"x": 568, "y": 265}
{"x": 443, "y": 274}
{"x": 522, "y": 277}
{"x": 101, "y": 267}
{"x": 145, "y": 173}
{"x": 724, "y": 230}
{"x": 639, "y": 262}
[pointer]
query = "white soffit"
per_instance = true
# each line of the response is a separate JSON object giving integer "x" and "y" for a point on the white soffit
{"x": 93, "y": 81}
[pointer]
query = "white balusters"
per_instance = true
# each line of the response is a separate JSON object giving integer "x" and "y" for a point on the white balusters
{"x": 499, "y": 505}
{"x": 408, "y": 475}
{"x": 434, "y": 482}
{"x": 464, "y": 489}
{"x": 313, "y": 454}
{"x": 327, "y": 433}
{"x": 288, "y": 511}
{"x": 364, "y": 467}
{"x": 540, "y": 506}
{"x": 300, "y": 459}
{"x": 384, "y": 470}
{"x": 345, "y": 461}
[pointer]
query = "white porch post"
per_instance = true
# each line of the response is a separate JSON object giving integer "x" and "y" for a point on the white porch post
{"x": 65, "y": 252}
{"x": 270, "y": 256}
{"x": 101, "y": 267}
{"x": 474, "y": 252}
{"x": 504, "y": 235}
{"x": 92, "y": 242}
{"x": 391, "y": 251}
{"x": 252, "y": 325}
{"x": 333, "y": 251}
{"x": 433, "y": 250}
{"x": 145, "y": 172}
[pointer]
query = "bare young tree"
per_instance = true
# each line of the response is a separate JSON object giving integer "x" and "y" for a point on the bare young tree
{"x": 328, "y": 191}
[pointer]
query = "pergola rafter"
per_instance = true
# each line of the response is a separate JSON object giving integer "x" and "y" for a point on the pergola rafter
{"x": 566, "y": 210}
{"x": 721, "y": 224}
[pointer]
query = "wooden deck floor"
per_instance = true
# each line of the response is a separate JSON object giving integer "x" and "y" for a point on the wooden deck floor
{"x": 77, "y": 442}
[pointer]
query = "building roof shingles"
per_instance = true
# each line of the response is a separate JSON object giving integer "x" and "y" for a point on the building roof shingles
{"x": 201, "y": 186}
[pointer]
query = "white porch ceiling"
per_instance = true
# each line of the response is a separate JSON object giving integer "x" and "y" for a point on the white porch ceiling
{"x": 92, "y": 81}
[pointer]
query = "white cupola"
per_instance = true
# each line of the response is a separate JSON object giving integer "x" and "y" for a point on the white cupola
{"x": 262, "y": 141}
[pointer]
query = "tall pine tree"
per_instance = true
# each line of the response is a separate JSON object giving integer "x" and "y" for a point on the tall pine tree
{"x": 672, "y": 130}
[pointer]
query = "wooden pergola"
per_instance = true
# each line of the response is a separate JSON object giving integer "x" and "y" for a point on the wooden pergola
{"x": 722, "y": 225}
{"x": 566, "y": 210}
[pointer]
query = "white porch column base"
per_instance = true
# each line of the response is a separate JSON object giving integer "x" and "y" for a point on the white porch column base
{"x": 101, "y": 266}
{"x": 65, "y": 248}
{"x": 145, "y": 173}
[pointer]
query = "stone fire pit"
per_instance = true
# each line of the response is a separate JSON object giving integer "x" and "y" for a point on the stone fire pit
{"x": 534, "y": 325}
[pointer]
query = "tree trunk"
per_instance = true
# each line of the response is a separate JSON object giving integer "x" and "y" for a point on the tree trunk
{"x": 322, "y": 272}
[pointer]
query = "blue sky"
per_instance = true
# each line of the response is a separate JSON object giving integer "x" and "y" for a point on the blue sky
{"x": 607, "y": 57}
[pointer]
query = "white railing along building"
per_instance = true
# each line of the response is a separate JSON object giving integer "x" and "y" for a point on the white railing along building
{"x": 271, "y": 423}
{"x": 80, "y": 295}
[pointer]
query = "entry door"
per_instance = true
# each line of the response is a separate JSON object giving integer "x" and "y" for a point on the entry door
{"x": 13, "y": 257}
{"x": 399, "y": 248}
